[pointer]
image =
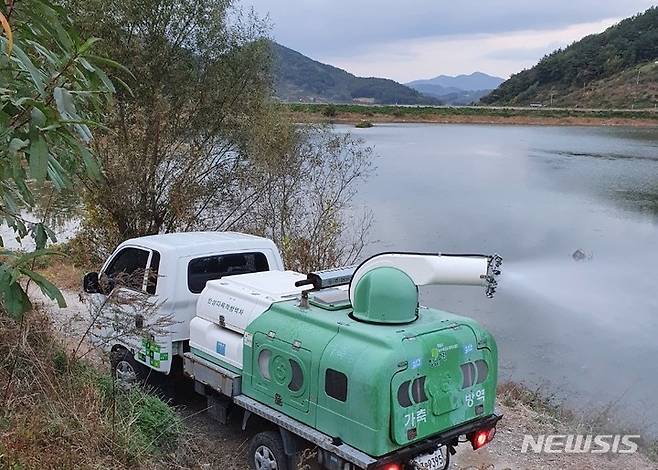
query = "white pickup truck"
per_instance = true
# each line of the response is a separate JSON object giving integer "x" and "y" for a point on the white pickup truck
{"x": 307, "y": 353}
{"x": 182, "y": 263}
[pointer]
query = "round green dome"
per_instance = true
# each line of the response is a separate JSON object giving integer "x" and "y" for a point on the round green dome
{"x": 385, "y": 295}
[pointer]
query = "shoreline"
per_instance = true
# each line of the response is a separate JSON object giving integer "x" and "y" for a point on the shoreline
{"x": 513, "y": 120}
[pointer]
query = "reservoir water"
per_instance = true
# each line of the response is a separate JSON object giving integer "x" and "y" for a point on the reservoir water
{"x": 585, "y": 331}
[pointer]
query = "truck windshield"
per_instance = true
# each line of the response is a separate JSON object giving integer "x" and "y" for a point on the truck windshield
{"x": 202, "y": 270}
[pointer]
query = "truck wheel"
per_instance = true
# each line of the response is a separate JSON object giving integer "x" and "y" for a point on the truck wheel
{"x": 126, "y": 370}
{"x": 266, "y": 452}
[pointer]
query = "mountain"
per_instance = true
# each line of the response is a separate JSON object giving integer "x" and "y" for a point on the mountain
{"x": 297, "y": 77}
{"x": 459, "y": 90}
{"x": 473, "y": 82}
{"x": 616, "y": 68}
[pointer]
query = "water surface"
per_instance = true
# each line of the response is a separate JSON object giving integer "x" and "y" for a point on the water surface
{"x": 585, "y": 331}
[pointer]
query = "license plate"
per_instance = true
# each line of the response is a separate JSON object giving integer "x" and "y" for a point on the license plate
{"x": 432, "y": 461}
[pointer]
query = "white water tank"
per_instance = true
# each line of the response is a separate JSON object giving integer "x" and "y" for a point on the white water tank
{"x": 235, "y": 301}
{"x": 216, "y": 344}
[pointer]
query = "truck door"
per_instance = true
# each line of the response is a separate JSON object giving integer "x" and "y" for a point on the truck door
{"x": 130, "y": 279}
{"x": 282, "y": 372}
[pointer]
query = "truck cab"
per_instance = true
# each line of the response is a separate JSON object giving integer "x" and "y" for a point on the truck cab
{"x": 170, "y": 271}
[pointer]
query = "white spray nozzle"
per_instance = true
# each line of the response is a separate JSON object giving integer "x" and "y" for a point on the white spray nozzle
{"x": 444, "y": 269}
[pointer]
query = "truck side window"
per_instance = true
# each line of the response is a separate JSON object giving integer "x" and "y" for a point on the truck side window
{"x": 152, "y": 281}
{"x": 202, "y": 270}
{"x": 128, "y": 268}
{"x": 335, "y": 384}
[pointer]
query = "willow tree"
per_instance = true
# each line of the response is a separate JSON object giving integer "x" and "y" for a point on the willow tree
{"x": 51, "y": 87}
{"x": 200, "y": 144}
{"x": 177, "y": 143}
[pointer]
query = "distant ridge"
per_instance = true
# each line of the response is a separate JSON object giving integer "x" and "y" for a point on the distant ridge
{"x": 471, "y": 82}
{"x": 458, "y": 90}
{"x": 299, "y": 78}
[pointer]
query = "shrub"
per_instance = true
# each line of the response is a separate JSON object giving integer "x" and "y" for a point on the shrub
{"x": 330, "y": 111}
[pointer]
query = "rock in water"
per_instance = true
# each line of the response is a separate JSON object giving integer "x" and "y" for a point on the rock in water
{"x": 579, "y": 255}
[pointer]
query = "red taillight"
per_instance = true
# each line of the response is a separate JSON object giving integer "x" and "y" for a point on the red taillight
{"x": 482, "y": 437}
{"x": 393, "y": 466}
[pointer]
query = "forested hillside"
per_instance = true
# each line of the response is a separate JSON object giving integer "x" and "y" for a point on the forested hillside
{"x": 614, "y": 68}
{"x": 298, "y": 77}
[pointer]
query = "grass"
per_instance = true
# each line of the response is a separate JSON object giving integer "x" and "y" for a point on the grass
{"x": 60, "y": 413}
{"x": 429, "y": 112}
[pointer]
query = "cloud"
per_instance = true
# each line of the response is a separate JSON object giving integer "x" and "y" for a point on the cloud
{"x": 338, "y": 26}
{"x": 378, "y": 31}
{"x": 499, "y": 54}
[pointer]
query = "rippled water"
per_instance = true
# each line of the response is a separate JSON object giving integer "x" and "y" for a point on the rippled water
{"x": 586, "y": 331}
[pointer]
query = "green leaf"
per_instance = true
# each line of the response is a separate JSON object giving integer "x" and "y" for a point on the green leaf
{"x": 111, "y": 63}
{"x": 26, "y": 258}
{"x": 40, "y": 236}
{"x": 26, "y": 64}
{"x": 38, "y": 118}
{"x": 91, "y": 164}
{"x": 16, "y": 145}
{"x": 66, "y": 109}
{"x": 39, "y": 158}
{"x": 48, "y": 288}
{"x": 85, "y": 63}
{"x": 57, "y": 174}
{"x": 124, "y": 85}
{"x": 14, "y": 299}
{"x": 105, "y": 79}
{"x": 87, "y": 45}
{"x": 51, "y": 234}
{"x": 64, "y": 102}
{"x": 48, "y": 55}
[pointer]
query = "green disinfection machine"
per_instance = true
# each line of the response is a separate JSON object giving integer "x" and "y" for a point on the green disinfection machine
{"x": 351, "y": 354}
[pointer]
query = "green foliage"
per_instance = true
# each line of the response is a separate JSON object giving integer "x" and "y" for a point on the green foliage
{"x": 147, "y": 423}
{"x": 51, "y": 90}
{"x": 631, "y": 42}
{"x": 427, "y": 112}
{"x": 329, "y": 111}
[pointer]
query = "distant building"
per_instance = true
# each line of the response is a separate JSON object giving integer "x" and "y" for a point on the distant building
{"x": 363, "y": 100}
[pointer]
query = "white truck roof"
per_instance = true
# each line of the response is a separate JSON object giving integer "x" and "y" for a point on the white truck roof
{"x": 193, "y": 243}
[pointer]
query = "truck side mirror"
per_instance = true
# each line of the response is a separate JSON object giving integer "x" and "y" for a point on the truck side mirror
{"x": 90, "y": 284}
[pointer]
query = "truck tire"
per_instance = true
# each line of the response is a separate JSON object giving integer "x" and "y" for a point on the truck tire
{"x": 266, "y": 452}
{"x": 126, "y": 371}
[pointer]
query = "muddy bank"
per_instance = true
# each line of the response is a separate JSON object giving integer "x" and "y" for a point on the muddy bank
{"x": 526, "y": 120}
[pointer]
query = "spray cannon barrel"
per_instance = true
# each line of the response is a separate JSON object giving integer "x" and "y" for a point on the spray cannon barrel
{"x": 443, "y": 269}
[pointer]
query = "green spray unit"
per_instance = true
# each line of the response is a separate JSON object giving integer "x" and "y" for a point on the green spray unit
{"x": 369, "y": 366}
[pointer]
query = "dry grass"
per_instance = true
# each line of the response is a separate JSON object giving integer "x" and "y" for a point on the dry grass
{"x": 550, "y": 413}
{"x": 56, "y": 414}
{"x": 63, "y": 273}
{"x": 352, "y": 118}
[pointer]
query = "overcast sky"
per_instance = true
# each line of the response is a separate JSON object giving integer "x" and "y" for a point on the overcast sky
{"x": 413, "y": 39}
